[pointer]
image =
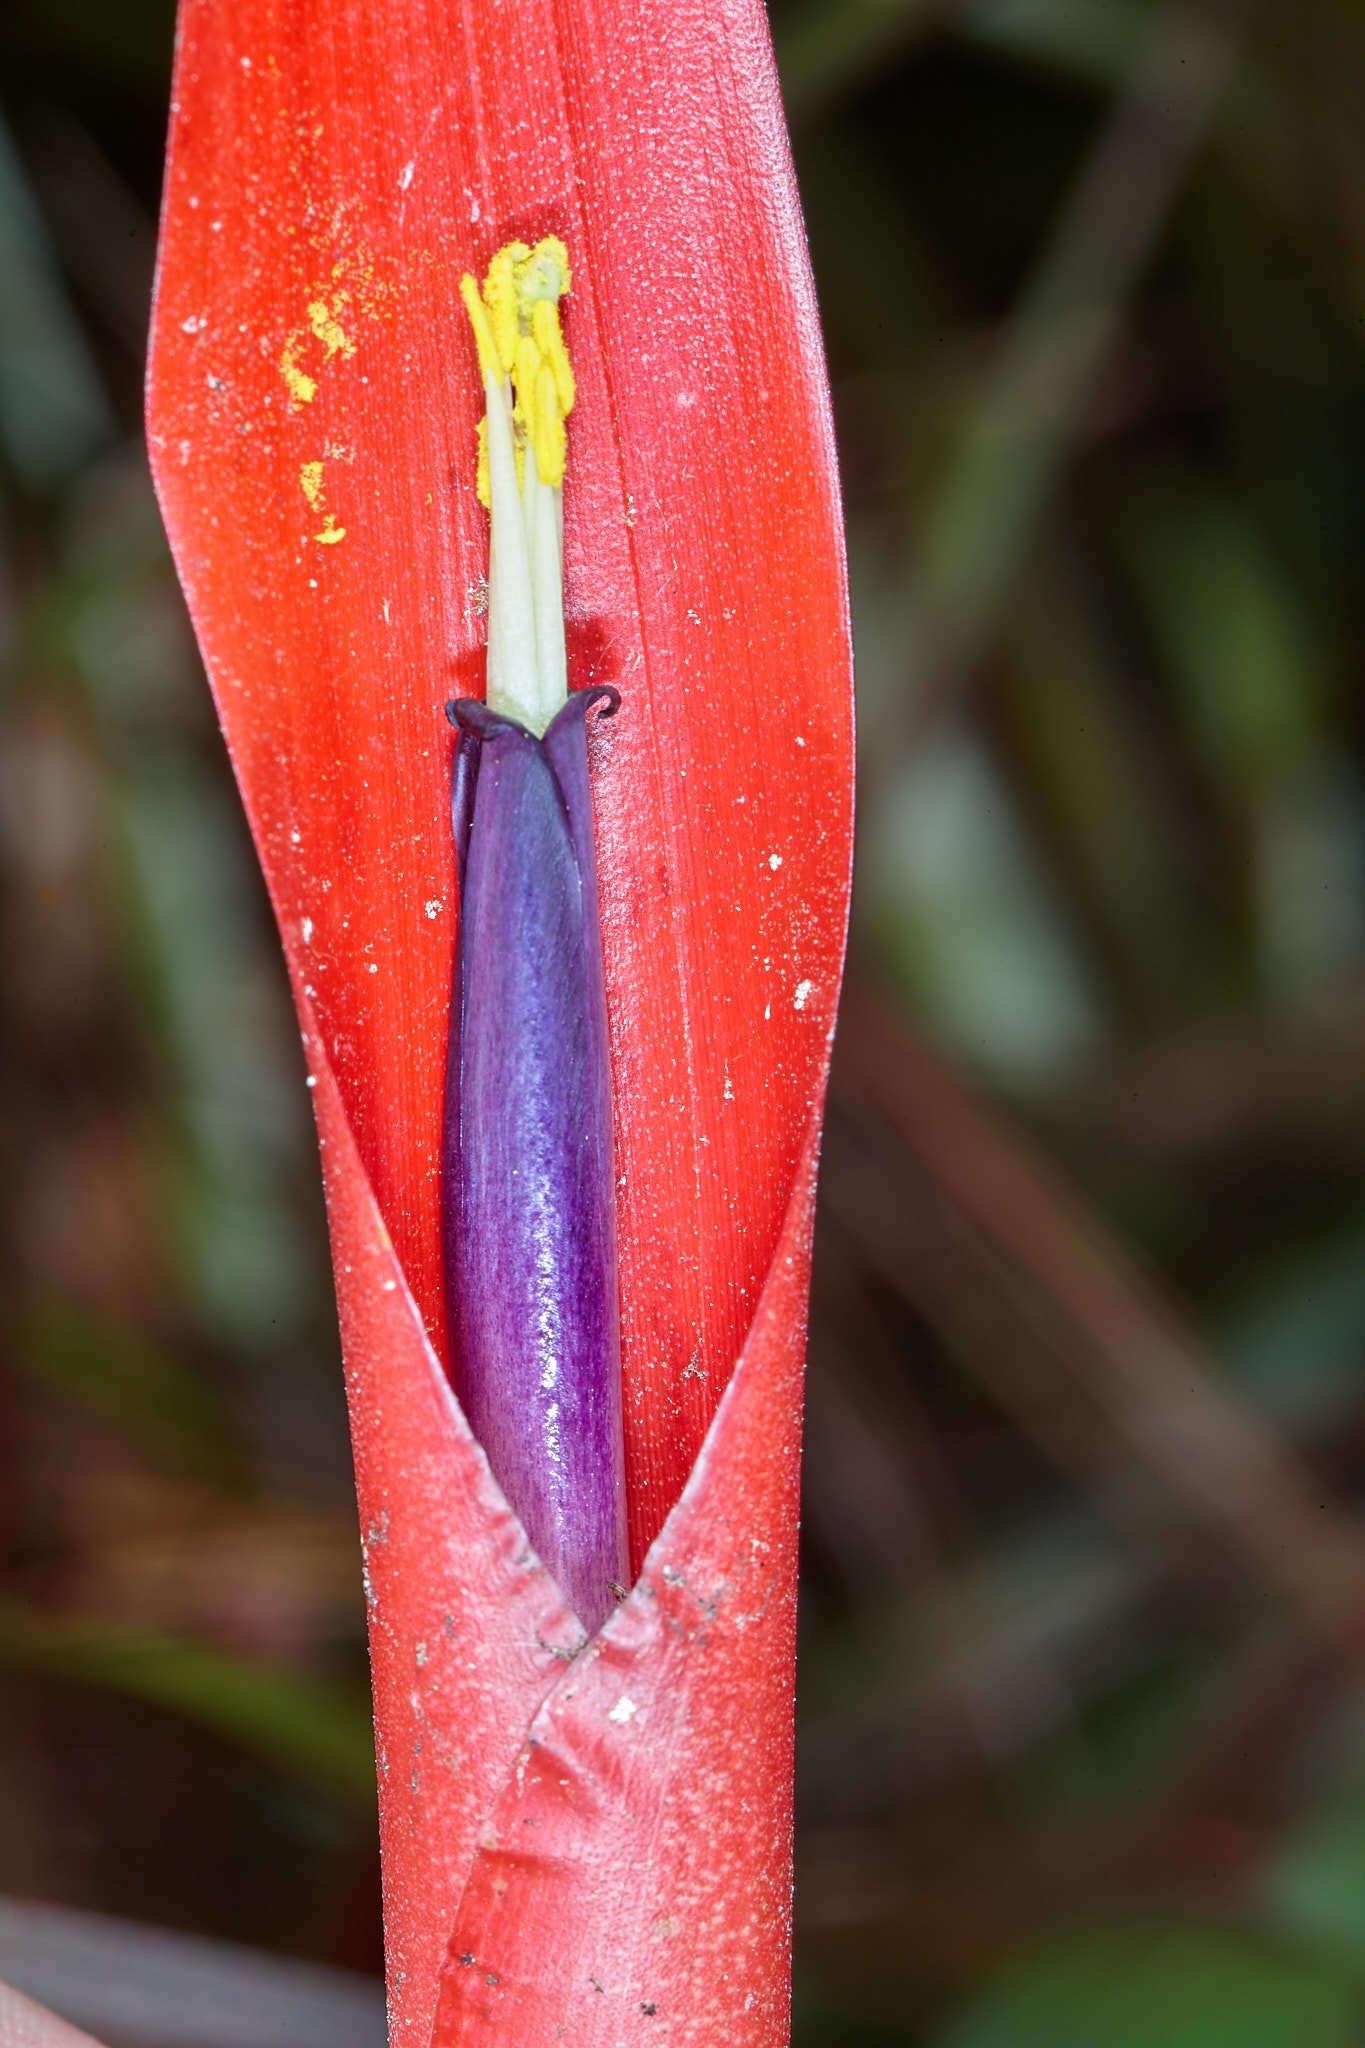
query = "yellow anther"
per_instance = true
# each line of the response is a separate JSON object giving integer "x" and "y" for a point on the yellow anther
{"x": 542, "y": 274}
{"x": 519, "y": 432}
{"x": 530, "y": 388}
{"x": 547, "y": 429}
{"x": 525, "y": 371}
{"x": 549, "y": 340}
{"x": 502, "y": 297}
{"x": 489, "y": 362}
{"x": 515, "y": 318}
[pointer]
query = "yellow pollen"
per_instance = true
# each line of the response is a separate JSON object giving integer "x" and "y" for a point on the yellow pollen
{"x": 548, "y": 439}
{"x": 515, "y": 319}
{"x": 525, "y": 376}
{"x": 502, "y": 299}
{"x": 322, "y": 318}
{"x": 550, "y": 341}
{"x": 482, "y": 325}
{"x": 482, "y": 483}
{"x": 302, "y": 387}
{"x": 311, "y": 484}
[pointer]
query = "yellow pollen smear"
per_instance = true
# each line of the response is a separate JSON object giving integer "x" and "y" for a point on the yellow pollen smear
{"x": 302, "y": 387}
{"x": 322, "y": 318}
{"x": 310, "y": 483}
{"x": 515, "y": 318}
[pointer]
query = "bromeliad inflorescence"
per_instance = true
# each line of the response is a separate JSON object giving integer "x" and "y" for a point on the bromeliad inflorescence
{"x": 528, "y": 1188}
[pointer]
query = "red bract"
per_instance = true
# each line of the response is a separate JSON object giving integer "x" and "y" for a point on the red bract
{"x": 607, "y": 1836}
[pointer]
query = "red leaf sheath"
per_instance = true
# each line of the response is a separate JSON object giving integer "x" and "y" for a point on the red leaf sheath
{"x": 312, "y": 408}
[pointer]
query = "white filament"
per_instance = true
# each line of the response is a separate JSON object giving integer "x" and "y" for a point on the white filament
{"x": 527, "y": 671}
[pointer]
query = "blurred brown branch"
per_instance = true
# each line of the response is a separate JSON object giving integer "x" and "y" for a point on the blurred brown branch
{"x": 1122, "y": 1363}
{"x": 1046, "y": 367}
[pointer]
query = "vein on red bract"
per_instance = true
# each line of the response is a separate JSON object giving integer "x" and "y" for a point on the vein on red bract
{"x": 312, "y": 406}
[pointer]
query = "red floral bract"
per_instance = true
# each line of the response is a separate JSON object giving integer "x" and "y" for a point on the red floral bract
{"x": 312, "y": 405}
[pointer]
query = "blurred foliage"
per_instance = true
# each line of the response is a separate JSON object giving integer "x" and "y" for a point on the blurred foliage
{"x": 1199, "y": 1988}
{"x": 1082, "y": 1743}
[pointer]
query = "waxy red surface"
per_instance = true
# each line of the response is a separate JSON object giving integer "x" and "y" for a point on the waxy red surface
{"x": 607, "y": 1837}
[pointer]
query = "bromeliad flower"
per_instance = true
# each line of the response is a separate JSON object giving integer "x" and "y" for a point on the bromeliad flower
{"x": 585, "y": 1843}
{"x": 528, "y": 1189}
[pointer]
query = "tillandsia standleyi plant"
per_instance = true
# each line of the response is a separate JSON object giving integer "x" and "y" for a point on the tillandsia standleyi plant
{"x": 586, "y": 1836}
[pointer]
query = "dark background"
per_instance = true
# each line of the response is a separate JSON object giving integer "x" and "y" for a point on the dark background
{"x": 1082, "y": 1740}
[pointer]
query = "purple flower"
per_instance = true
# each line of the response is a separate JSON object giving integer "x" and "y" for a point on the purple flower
{"x": 528, "y": 1185}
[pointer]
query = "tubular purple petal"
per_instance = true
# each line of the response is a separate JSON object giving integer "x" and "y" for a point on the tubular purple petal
{"x": 528, "y": 1183}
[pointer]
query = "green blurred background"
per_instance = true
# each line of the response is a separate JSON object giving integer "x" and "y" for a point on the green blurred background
{"x": 1082, "y": 1724}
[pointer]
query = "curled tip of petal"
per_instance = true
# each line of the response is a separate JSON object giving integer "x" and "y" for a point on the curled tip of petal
{"x": 581, "y": 702}
{"x": 471, "y": 714}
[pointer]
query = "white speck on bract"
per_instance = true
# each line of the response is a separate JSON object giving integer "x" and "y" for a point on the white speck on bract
{"x": 306, "y": 930}
{"x": 804, "y": 991}
{"x": 624, "y": 1710}
{"x": 405, "y": 175}
{"x": 433, "y": 909}
{"x": 774, "y": 861}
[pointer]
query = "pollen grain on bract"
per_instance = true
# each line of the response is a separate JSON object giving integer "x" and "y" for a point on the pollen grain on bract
{"x": 528, "y": 392}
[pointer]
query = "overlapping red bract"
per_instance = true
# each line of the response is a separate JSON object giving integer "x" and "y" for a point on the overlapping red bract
{"x": 608, "y": 1837}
